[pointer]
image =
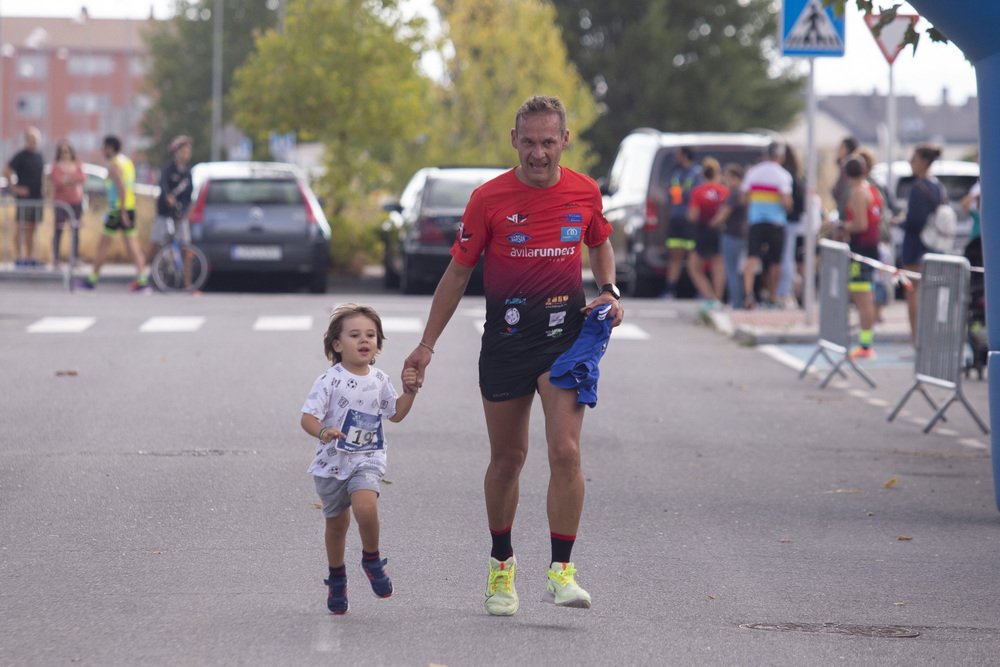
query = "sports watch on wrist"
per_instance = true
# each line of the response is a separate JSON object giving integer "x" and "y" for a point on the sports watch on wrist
{"x": 611, "y": 289}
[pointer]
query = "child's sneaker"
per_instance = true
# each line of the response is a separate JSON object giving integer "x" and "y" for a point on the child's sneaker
{"x": 336, "y": 602}
{"x": 375, "y": 571}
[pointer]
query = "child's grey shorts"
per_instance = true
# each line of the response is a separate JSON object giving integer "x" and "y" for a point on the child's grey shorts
{"x": 336, "y": 493}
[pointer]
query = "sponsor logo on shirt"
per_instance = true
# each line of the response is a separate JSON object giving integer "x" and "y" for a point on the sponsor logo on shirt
{"x": 557, "y": 318}
{"x": 517, "y": 218}
{"x": 571, "y": 218}
{"x": 554, "y": 333}
{"x": 570, "y": 234}
{"x": 514, "y": 301}
{"x": 512, "y": 316}
{"x": 518, "y": 238}
{"x": 556, "y": 301}
{"x": 542, "y": 252}
{"x": 463, "y": 235}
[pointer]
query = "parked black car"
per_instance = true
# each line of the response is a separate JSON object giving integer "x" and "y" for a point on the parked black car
{"x": 260, "y": 217}
{"x": 421, "y": 226}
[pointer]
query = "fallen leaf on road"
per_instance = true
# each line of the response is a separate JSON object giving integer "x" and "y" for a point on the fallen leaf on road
{"x": 156, "y": 552}
{"x": 318, "y": 506}
{"x": 67, "y": 373}
{"x": 386, "y": 481}
{"x": 843, "y": 491}
{"x": 892, "y": 481}
{"x": 904, "y": 538}
{"x": 711, "y": 597}
{"x": 785, "y": 541}
{"x": 898, "y": 604}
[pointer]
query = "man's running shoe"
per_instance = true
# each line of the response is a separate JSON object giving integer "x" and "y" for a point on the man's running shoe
{"x": 863, "y": 354}
{"x": 562, "y": 588}
{"x": 134, "y": 286}
{"x": 84, "y": 284}
{"x": 501, "y": 598}
{"x": 336, "y": 602}
{"x": 375, "y": 571}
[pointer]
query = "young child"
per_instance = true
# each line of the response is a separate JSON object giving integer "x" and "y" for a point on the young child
{"x": 344, "y": 411}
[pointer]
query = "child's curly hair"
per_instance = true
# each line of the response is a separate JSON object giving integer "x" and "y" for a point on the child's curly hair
{"x": 341, "y": 313}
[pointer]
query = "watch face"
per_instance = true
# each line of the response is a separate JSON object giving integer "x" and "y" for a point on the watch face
{"x": 613, "y": 289}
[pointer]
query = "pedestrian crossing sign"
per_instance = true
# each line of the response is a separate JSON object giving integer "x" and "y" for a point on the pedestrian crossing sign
{"x": 810, "y": 29}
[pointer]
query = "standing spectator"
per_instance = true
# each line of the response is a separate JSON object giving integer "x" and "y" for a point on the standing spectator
{"x": 27, "y": 165}
{"x": 925, "y": 196}
{"x": 792, "y": 257}
{"x": 767, "y": 192}
{"x": 847, "y": 146}
{"x": 535, "y": 309}
{"x": 881, "y": 280}
{"x": 67, "y": 188}
{"x": 864, "y": 218}
{"x": 706, "y": 199}
{"x": 732, "y": 221}
{"x": 120, "y": 185}
{"x": 175, "y": 197}
{"x": 680, "y": 235}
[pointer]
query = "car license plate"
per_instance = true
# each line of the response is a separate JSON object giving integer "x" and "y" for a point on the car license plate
{"x": 256, "y": 253}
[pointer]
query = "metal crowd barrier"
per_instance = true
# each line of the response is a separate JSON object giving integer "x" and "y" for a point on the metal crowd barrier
{"x": 942, "y": 314}
{"x": 834, "y": 312}
{"x": 42, "y": 204}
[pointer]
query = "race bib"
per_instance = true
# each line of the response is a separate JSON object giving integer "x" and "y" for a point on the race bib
{"x": 363, "y": 432}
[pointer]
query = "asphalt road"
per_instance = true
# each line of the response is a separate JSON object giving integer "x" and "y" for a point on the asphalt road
{"x": 155, "y": 508}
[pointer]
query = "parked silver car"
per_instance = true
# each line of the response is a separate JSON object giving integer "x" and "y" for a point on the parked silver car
{"x": 259, "y": 217}
{"x": 421, "y": 226}
{"x": 636, "y": 198}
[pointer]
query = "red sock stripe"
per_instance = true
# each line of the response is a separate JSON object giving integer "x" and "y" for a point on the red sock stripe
{"x": 501, "y": 532}
{"x": 568, "y": 538}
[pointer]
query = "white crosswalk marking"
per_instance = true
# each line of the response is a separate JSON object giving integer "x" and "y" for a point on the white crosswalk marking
{"x": 628, "y": 331}
{"x": 402, "y": 325}
{"x": 61, "y": 324}
{"x": 175, "y": 324}
{"x": 283, "y": 323}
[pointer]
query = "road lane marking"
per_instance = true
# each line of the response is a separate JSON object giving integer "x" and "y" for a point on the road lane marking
{"x": 61, "y": 325}
{"x": 176, "y": 324}
{"x": 283, "y": 323}
{"x": 402, "y": 325}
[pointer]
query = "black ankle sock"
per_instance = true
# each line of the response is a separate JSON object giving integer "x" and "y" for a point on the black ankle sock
{"x": 338, "y": 572}
{"x": 502, "y": 550}
{"x": 562, "y": 547}
{"x": 369, "y": 556}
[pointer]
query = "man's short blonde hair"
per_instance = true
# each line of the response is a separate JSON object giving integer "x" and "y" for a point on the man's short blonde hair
{"x": 542, "y": 104}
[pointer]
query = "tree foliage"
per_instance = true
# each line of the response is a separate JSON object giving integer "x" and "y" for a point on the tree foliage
{"x": 181, "y": 69}
{"x": 505, "y": 51}
{"x": 341, "y": 73}
{"x": 887, "y": 15}
{"x": 679, "y": 65}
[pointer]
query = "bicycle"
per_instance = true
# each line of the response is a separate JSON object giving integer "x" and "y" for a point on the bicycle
{"x": 177, "y": 266}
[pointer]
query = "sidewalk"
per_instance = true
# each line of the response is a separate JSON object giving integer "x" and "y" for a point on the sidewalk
{"x": 766, "y": 327}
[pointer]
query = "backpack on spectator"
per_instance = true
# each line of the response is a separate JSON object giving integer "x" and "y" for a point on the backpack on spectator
{"x": 938, "y": 233}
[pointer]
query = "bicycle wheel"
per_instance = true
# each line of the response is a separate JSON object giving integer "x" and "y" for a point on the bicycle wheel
{"x": 179, "y": 268}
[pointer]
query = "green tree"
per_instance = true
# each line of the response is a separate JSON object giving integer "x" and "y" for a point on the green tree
{"x": 679, "y": 65}
{"x": 888, "y": 15}
{"x": 342, "y": 73}
{"x": 505, "y": 51}
{"x": 181, "y": 72}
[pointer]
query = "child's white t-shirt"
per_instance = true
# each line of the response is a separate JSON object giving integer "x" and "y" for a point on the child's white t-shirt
{"x": 354, "y": 404}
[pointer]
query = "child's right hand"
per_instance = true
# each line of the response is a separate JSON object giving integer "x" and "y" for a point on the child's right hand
{"x": 328, "y": 434}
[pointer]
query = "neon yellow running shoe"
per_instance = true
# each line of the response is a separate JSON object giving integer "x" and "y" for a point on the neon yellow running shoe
{"x": 562, "y": 588}
{"x": 501, "y": 598}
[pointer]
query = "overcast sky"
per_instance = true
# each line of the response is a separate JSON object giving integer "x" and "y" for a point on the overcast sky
{"x": 862, "y": 69}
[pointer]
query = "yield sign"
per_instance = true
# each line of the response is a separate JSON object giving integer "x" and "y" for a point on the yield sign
{"x": 890, "y": 39}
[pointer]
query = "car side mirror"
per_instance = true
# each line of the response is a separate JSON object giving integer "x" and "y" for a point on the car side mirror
{"x": 602, "y": 183}
{"x": 392, "y": 206}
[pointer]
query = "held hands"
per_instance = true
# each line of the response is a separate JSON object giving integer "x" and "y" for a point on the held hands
{"x": 413, "y": 369}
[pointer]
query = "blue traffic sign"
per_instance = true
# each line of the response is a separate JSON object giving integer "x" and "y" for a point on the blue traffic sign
{"x": 810, "y": 29}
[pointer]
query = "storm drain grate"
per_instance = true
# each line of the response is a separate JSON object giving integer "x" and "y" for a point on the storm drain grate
{"x": 199, "y": 452}
{"x": 836, "y": 629}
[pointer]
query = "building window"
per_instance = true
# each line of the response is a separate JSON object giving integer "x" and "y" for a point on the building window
{"x": 31, "y": 105}
{"x": 85, "y": 142}
{"x": 138, "y": 66}
{"x": 85, "y": 103}
{"x": 90, "y": 66}
{"x": 32, "y": 67}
